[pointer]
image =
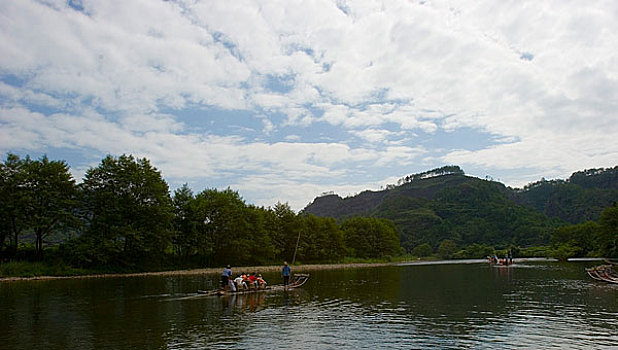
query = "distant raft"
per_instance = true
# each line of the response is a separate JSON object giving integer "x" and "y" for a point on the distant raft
{"x": 297, "y": 280}
{"x": 604, "y": 273}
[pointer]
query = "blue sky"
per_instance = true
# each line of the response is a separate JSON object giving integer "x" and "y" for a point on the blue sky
{"x": 284, "y": 100}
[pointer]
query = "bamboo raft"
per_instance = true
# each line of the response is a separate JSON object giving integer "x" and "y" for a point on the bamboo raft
{"x": 297, "y": 280}
{"x": 604, "y": 273}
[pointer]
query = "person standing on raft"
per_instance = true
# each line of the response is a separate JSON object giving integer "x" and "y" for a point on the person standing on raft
{"x": 225, "y": 277}
{"x": 285, "y": 271}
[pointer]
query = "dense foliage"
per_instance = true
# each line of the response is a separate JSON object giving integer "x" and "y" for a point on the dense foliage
{"x": 589, "y": 238}
{"x": 479, "y": 215}
{"x": 456, "y": 207}
{"x": 581, "y": 197}
{"x": 123, "y": 217}
{"x": 37, "y": 195}
{"x": 607, "y": 240}
{"x": 370, "y": 237}
{"x": 127, "y": 213}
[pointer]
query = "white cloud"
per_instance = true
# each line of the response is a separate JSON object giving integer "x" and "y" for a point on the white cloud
{"x": 15, "y": 96}
{"x": 556, "y": 155}
{"x": 268, "y": 126}
{"x": 292, "y": 138}
{"x": 299, "y": 195}
{"x": 126, "y": 55}
{"x": 187, "y": 156}
{"x": 541, "y": 79}
{"x": 373, "y": 135}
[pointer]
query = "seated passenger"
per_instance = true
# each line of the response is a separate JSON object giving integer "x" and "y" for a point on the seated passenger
{"x": 240, "y": 284}
{"x": 245, "y": 278}
{"x": 252, "y": 281}
{"x": 261, "y": 282}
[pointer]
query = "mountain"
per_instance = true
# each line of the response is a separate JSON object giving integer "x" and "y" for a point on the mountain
{"x": 445, "y": 203}
{"x": 581, "y": 197}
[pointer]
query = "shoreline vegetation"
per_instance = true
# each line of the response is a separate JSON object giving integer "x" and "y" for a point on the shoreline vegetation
{"x": 275, "y": 268}
{"x": 206, "y": 271}
{"x": 58, "y": 269}
{"x": 122, "y": 219}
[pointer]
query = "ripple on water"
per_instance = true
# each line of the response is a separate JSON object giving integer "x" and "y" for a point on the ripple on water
{"x": 442, "y": 306}
{"x": 530, "y": 307}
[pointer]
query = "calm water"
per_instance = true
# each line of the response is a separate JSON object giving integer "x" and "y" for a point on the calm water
{"x": 530, "y": 305}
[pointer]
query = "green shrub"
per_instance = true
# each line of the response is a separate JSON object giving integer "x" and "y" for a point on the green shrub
{"x": 422, "y": 250}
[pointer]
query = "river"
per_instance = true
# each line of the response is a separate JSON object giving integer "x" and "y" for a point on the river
{"x": 540, "y": 305}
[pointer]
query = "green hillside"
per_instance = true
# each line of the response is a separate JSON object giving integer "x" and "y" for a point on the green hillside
{"x": 447, "y": 204}
{"x": 581, "y": 197}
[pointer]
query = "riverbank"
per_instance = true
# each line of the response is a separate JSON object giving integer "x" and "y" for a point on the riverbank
{"x": 276, "y": 268}
{"x": 203, "y": 271}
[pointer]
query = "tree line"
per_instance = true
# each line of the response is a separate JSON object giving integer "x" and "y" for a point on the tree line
{"x": 445, "y": 170}
{"x": 591, "y": 238}
{"x": 123, "y": 215}
{"x": 580, "y": 198}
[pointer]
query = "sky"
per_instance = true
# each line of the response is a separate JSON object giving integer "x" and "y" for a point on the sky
{"x": 283, "y": 100}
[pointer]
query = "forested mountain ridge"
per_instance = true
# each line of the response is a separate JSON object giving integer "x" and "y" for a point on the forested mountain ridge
{"x": 366, "y": 202}
{"x": 445, "y": 203}
{"x": 581, "y": 197}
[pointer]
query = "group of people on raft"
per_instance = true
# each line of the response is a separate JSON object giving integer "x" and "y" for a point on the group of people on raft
{"x": 246, "y": 281}
{"x": 508, "y": 259}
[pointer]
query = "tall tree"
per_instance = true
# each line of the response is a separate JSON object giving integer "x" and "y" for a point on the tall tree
{"x": 189, "y": 242}
{"x": 129, "y": 209}
{"x": 321, "y": 240}
{"x": 262, "y": 248}
{"x": 608, "y": 237}
{"x": 51, "y": 194}
{"x": 447, "y": 249}
{"x": 284, "y": 227}
{"x": 229, "y": 225}
{"x": 371, "y": 237}
{"x": 14, "y": 201}
{"x": 578, "y": 239}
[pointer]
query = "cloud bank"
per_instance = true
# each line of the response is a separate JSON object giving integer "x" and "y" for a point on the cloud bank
{"x": 284, "y": 100}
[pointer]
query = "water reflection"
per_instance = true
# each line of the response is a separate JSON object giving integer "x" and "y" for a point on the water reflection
{"x": 528, "y": 305}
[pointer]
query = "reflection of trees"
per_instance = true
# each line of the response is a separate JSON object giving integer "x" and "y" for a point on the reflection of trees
{"x": 446, "y": 295}
{"x": 361, "y": 285}
{"x": 119, "y": 313}
{"x": 432, "y": 297}
{"x": 426, "y": 303}
{"x": 81, "y": 314}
